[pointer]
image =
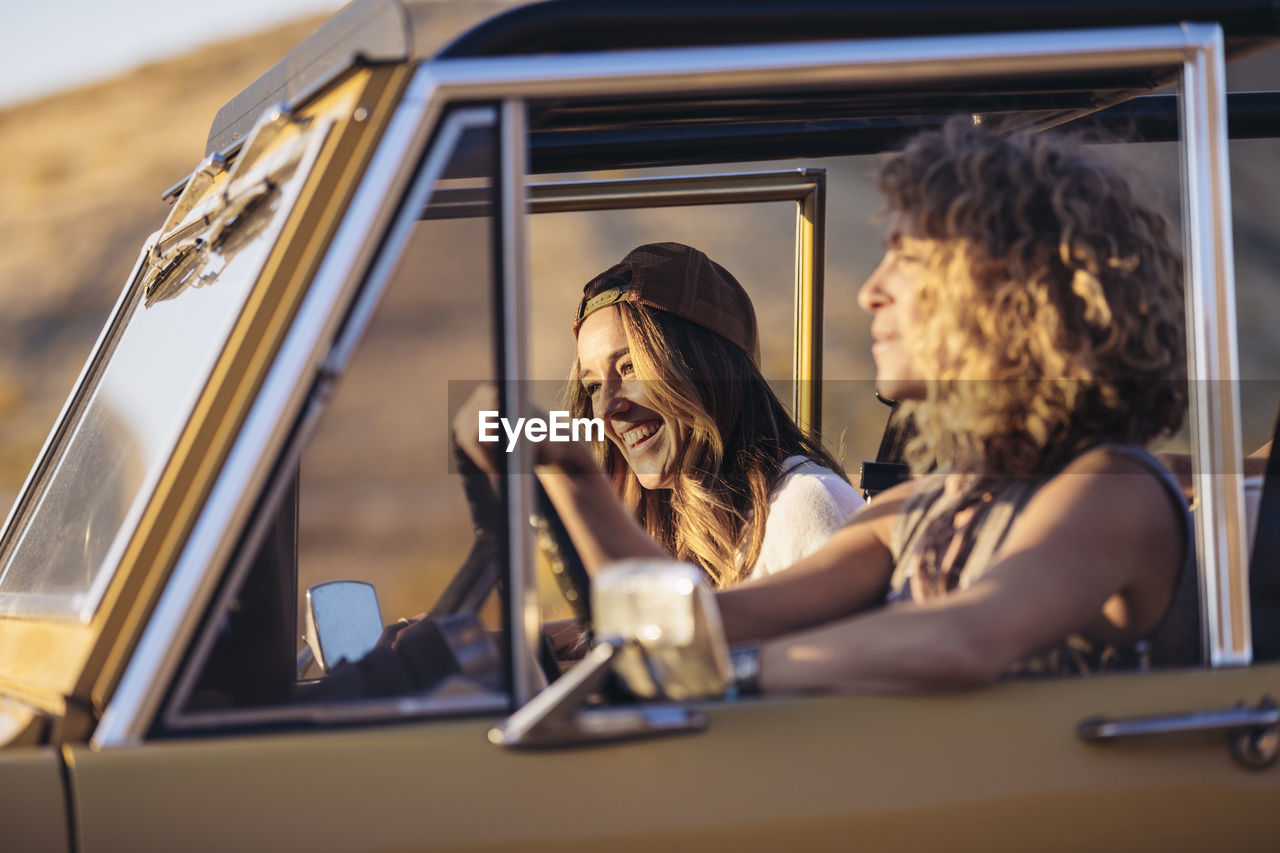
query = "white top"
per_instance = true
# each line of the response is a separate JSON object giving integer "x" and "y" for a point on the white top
{"x": 808, "y": 504}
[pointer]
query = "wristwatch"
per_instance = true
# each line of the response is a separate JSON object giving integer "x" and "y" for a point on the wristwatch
{"x": 746, "y": 669}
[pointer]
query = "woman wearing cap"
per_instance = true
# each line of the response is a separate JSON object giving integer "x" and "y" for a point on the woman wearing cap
{"x": 702, "y": 461}
{"x": 700, "y": 450}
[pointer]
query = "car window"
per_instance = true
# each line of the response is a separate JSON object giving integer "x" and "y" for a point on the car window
{"x": 852, "y": 418}
{"x": 75, "y": 519}
{"x": 377, "y": 495}
{"x": 582, "y": 224}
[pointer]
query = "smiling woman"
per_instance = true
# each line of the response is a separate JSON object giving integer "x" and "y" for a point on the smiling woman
{"x": 607, "y": 377}
{"x": 701, "y": 452}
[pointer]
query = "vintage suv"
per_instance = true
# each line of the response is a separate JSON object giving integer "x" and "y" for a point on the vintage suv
{"x": 370, "y": 235}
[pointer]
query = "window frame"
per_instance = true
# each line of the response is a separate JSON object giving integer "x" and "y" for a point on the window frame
{"x": 806, "y": 187}
{"x": 174, "y": 717}
{"x": 1196, "y": 49}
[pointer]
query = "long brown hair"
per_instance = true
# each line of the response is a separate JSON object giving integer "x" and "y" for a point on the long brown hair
{"x": 736, "y": 436}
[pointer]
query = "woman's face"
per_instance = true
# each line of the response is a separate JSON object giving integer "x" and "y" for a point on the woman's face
{"x": 648, "y": 440}
{"x": 891, "y": 295}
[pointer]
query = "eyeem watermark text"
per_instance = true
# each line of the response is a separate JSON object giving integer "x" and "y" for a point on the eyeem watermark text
{"x": 557, "y": 427}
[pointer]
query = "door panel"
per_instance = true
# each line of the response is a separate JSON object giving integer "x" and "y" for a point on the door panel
{"x": 993, "y": 769}
{"x": 33, "y": 806}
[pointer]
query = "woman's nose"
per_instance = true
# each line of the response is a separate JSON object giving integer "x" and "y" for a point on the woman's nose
{"x": 872, "y": 295}
{"x": 613, "y": 399}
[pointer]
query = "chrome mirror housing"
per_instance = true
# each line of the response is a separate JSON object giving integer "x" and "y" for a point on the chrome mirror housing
{"x": 657, "y": 627}
{"x": 664, "y": 608}
{"x": 344, "y": 621}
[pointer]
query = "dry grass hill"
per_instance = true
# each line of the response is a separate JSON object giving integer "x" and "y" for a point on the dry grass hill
{"x": 81, "y": 174}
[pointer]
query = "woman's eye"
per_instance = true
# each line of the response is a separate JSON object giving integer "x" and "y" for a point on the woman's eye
{"x": 591, "y": 388}
{"x": 626, "y": 368}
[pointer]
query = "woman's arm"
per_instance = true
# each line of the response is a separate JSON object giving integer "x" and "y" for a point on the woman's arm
{"x": 1179, "y": 464}
{"x": 601, "y": 527}
{"x": 847, "y": 574}
{"x": 1097, "y": 548}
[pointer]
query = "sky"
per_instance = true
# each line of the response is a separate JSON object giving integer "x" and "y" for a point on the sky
{"x": 49, "y": 45}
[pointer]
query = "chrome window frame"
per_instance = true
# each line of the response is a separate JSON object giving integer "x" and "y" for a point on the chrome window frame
{"x": 522, "y": 585}
{"x": 1212, "y": 346}
{"x": 1196, "y": 48}
{"x": 807, "y": 187}
{"x": 313, "y": 354}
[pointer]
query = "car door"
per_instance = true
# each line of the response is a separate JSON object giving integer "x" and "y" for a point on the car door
{"x": 1001, "y": 767}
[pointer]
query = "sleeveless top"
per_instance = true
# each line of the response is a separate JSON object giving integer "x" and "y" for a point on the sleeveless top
{"x": 973, "y": 545}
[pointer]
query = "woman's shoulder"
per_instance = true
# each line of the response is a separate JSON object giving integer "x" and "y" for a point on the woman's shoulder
{"x": 807, "y": 486}
{"x": 1125, "y": 478}
{"x": 1118, "y": 459}
{"x": 804, "y": 479}
{"x": 808, "y": 504}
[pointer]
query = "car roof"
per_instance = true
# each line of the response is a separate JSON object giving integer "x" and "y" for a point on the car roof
{"x": 560, "y": 26}
{"x": 406, "y": 30}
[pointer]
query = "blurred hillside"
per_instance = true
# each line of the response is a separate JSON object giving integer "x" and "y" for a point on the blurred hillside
{"x": 81, "y": 175}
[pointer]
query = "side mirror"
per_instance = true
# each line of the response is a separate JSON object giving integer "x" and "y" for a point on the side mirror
{"x": 658, "y": 628}
{"x": 677, "y": 649}
{"x": 344, "y": 621}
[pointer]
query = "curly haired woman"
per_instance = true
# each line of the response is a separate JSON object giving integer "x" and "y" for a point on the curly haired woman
{"x": 1028, "y": 313}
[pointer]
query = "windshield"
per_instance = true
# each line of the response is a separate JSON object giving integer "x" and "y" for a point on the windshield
{"x": 63, "y": 543}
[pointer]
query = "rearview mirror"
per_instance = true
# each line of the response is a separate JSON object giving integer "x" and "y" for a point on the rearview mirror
{"x": 665, "y": 608}
{"x": 344, "y": 621}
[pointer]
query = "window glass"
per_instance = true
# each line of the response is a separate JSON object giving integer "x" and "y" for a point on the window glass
{"x": 126, "y": 421}
{"x": 756, "y": 242}
{"x": 378, "y": 496}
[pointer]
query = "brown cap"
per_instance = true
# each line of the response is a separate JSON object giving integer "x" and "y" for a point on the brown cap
{"x": 680, "y": 280}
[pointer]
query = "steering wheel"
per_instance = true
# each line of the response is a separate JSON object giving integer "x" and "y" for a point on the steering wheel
{"x": 416, "y": 654}
{"x": 566, "y": 564}
{"x": 481, "y": 571}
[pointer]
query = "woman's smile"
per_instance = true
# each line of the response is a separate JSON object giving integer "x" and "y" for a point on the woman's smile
{"x": 636, "y": 436}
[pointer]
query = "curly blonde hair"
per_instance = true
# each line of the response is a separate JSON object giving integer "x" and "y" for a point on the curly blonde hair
{"x": 1053, "y": 310}
{"x": 736, "y": 435}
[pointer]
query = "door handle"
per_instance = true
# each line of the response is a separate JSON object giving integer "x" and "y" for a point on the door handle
{"x": 1253, "y": 734}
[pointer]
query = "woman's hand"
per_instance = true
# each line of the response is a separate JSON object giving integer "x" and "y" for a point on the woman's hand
{"x": 568, "y": 457}
{"x": 600, "y": 526}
